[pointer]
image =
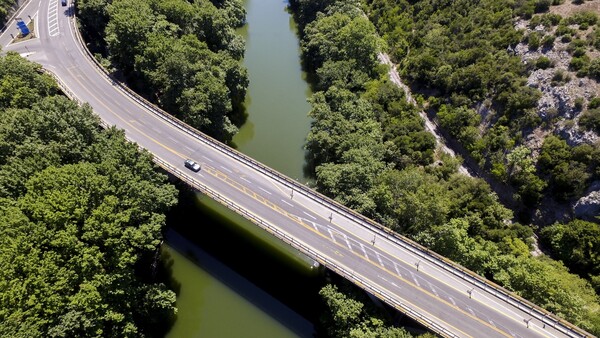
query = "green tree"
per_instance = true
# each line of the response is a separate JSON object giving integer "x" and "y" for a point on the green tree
{"x": 130, "y": 23}
{"x": 349, "y": 317}
{"x": 576, "y": 243}
{"x": 340, "y": 37}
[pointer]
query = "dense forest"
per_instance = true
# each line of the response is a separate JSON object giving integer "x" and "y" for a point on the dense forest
{"x": 182, "y": 55}
{"x": 370, "y": 152}
{"x": 81, "y": 214}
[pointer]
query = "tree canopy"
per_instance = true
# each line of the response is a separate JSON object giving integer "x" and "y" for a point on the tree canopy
{"x": 182, "y": 55}
{"x": 81, "y": 213}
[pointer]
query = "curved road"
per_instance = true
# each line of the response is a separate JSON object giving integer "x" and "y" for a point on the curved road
{"x": 441, "y": 295}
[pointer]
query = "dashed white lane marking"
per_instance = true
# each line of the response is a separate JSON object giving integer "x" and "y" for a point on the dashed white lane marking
{"x": 491, "y": 322}
{"x": 288, "y": 203}
{"x": 199, "y": 174}
{"x": 309, "y": 215}
{"x": 245, "y": 180}
{"x": 363, "y": 250}
{"x": 472, "y": 312}
{"x": 226, "y": 169}
{"x": 267, "y": 191}
{"x": 452, "y": 300}
{"x": 208, "y": 159}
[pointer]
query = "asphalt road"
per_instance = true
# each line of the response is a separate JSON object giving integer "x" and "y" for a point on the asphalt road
{"x": 443, "y": 297}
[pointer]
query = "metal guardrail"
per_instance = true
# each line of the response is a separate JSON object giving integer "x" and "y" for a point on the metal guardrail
{"x": 305, "y": 249}
{"x": 491, "y": 288}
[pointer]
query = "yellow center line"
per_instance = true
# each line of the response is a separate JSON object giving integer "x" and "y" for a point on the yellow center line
{"x": 431, "y": 276}
{"x": 261, "y": 199}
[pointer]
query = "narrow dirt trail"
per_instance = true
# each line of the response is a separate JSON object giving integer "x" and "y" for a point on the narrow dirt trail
{"x": 433, "y": 128}
{"x": 430, "y": 126}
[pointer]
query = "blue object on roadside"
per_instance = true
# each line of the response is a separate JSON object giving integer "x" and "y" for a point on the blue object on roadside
{"x": 23, "y": 27}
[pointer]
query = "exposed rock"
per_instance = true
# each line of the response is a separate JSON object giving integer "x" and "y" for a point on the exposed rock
{"x": 557, "y": 105}
{"x": 588, "y": 207}
{"x": 575, "y": 135}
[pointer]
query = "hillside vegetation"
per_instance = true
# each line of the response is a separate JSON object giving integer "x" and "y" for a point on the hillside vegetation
{"x": 370, "y": 151}
{"x": 81, "y": 213}
{"x": 462, "y": 57}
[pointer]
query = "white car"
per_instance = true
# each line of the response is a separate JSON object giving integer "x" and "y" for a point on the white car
{"x": 192, "y": 165}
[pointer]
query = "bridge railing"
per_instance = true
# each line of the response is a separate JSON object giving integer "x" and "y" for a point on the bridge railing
{"x": 290, "y": 240}
{"x": 491, "y": 288}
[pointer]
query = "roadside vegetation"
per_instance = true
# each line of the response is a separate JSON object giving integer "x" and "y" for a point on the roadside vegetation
{"x": 81, "y": 214}
{"x": 5, "y": 6}
{"x": 369, "y": 149}
{"x": 182, "y": 55}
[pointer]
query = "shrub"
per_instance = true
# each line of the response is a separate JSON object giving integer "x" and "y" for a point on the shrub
{"x": 578, "y": 104}
{"x": 578, "y": 63}
{"x": 594, "y": 103}
{"x": 548, "y": 41}
{"x": 590, "y": 120}
{"x": 533, "y": 40}
{"x": 560, "y": 77}
{"x": 594, "y": 69}
{"x": 543, "y": 63}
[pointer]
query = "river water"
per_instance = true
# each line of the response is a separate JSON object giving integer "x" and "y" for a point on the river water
{"x": 233, "y": 279}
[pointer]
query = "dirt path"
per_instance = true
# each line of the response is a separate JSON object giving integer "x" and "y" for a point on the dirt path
{"x": 430, "y": 125}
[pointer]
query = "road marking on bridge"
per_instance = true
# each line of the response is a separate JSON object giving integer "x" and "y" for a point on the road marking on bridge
{"x": 208, "y": 159}
{"x": 397, "y": 271}
{"x": 415, "y": 279}
{"x": 267, "y": 191}
{"x": 243, "y": 179}
{"x": 491, "y": 322}
{"x": 227, "y": 169}
{"x": 309, "y": 215}
{"x": 286, "y": 202}
{"x": 433, "y": 289}
{"x": 452, "y": 300}
{"x": 379, "y": 259}
{"x": 473, "y": 316}
{"x": 347, "y": 242}
{"x": 331, "y": 234}
{"x": 363, "y": 250}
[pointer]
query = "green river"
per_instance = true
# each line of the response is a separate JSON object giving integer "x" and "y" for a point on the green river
{"x": 232, "y": 279}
